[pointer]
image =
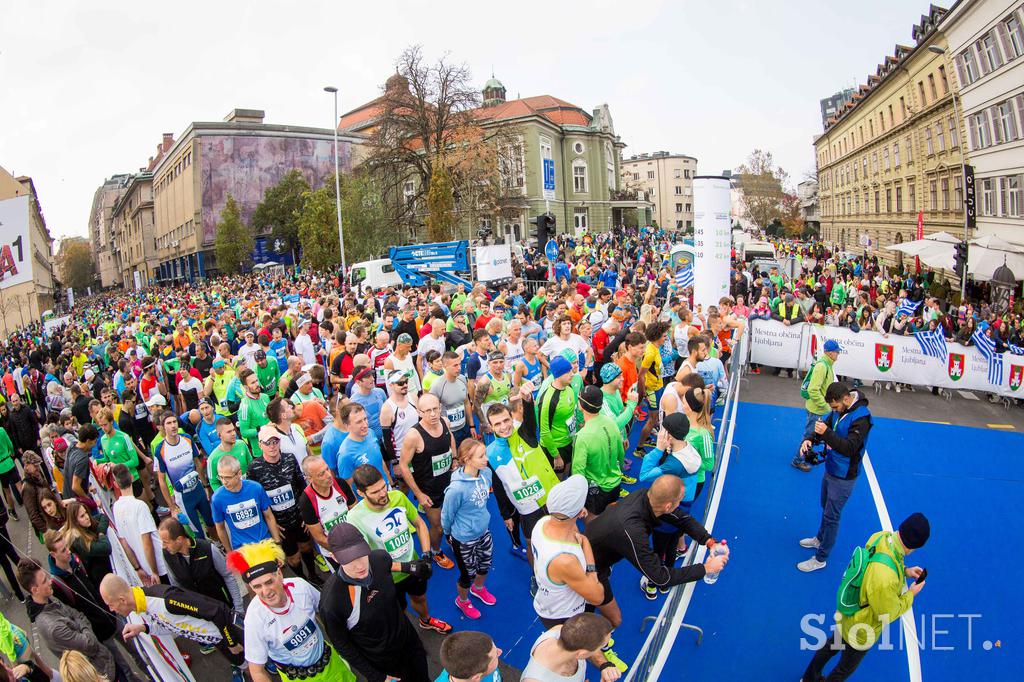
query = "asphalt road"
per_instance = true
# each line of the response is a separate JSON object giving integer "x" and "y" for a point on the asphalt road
{"x": 964, "y": 408}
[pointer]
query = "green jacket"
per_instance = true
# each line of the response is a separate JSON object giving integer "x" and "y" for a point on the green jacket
{"x": 6, "y": 452}
{"x": 822, "y": 376}
{"x": 704, "y": 443}
{"x": 268, "y": 376}
{"x": 252, "y": 414}
{"x": 558, "y": 429}
{"x": 885, "y": 595}
{"x": 620, "y": 413}
{"x": 598, "y": 453}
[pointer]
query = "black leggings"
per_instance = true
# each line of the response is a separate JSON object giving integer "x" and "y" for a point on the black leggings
{"x": 849, "y": 659}
{"x": 664, "y": 545}
{"x": 8, "y": 559}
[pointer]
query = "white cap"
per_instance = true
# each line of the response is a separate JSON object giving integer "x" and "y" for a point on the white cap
{"x": 157, "y": 401}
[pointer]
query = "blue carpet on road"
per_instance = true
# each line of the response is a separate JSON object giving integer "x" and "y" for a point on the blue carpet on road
{"x": 965, "y": 480}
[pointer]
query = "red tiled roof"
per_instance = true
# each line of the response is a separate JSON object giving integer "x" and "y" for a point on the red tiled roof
{"x": 363, "y": 114}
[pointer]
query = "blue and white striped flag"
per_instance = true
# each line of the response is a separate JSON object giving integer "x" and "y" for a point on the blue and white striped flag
{"x": 907, "y": 307}
{"x": 932, "y": 343}
{"x": 684, "y": 278}
{"x": 987, "y": 347}
{"x": 1016, "y": 350}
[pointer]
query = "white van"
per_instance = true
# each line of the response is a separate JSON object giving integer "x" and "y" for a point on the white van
{"x": 374, "y": 273}
{"x": 758, "y": 250}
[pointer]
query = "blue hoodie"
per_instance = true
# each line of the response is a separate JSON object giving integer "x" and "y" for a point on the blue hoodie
{"x": 464, "y": 513}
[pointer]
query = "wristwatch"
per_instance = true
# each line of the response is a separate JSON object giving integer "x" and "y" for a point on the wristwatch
{"x": 591, "y": 568}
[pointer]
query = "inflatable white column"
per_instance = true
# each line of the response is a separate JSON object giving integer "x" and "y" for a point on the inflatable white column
{"x": 712, "y": 239}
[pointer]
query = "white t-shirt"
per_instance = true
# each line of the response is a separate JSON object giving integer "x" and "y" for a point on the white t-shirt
{"x": 133, "y": 520}
{"x": 291, "y": 635}
{"x": 304, "y": 347}
{"x": 294, "y": 443}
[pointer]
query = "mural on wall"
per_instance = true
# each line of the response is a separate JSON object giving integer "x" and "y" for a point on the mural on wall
{"x": 245, "y": 167}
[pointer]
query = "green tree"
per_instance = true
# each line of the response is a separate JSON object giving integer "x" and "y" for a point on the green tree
{"x": 77, "y": 268}
{"x": 762, "y": 182}
{"x": 279, "y": 211}
{"x": 318, "y": 229}
{"x": 440, "y": 204}
{"x": 234, "y": 242}
{"x": 365, "y": 217}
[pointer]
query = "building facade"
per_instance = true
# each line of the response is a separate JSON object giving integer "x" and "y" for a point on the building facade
{"x": 28, "y": 285}
{"x": 102, "y": 238}
{"x": 666, "y": 181}
{"x": 986, "y": 50}
{"x": 893, "y": 152}
{"x": 830, "y": 106}
{"x": 133, "y": 219}
{"x": 582, "y": 146}
{"x": 807, "y": 193}
{"x": 239, "y": 157}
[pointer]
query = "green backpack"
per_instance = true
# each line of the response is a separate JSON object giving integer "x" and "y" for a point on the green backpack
{"x": 848, "y": 596}
{"x": 804, "y": 393}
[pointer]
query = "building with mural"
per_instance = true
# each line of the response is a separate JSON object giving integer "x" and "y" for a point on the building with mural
{"x": 242, "y": 157}
{"x": 28, "y": 285}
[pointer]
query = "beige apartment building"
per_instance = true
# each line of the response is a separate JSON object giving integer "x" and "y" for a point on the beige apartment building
{"x": 894, "y": 151}
{"x": 27, "y": 283}
{"x": 133, "y": 221}
{"x": 666, "y": 181}
{"x": 102, "y": 237}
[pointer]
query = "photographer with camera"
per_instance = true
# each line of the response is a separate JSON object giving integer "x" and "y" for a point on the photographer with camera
{"x": 844, "y": 434}
{"x": 818, "y": 379}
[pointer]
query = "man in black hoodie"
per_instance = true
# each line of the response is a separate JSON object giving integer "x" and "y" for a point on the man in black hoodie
{"x": 623, "y": 531}
{"x": 844, "y": 433}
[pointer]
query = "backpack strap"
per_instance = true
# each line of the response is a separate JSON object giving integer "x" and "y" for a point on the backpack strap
{"x": 876, "y": 557}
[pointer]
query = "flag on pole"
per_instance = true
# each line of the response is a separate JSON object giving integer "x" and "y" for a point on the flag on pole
{"x": 684, "y": 278}
{"x": 932, "y": 343}
{"x": 908, "y": 307}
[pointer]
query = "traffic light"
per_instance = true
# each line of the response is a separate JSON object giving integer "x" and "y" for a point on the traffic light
{"x": 544, "y": 225}
{"x": 960, "y": 258}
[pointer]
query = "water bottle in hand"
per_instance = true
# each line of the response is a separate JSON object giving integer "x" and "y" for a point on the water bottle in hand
{"x": 720, "y": 549}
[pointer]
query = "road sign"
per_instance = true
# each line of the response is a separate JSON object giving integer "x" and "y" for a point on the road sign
{"x": 551, "y": 249}
{"x": 549, "y": 179}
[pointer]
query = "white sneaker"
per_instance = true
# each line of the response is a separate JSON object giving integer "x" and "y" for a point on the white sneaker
{"x": 810, "y": 543}
{"x": 810, "y": 565}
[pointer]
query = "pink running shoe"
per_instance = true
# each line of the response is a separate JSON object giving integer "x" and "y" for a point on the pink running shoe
{"x": 467, "y": 608}
{"x": 483, "y": 594}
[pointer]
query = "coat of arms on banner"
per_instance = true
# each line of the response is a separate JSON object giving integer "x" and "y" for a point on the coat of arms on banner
{"x": 956, "y": 366}
{"x": 1016, "y": 376}
{"x": 883, "y": 357}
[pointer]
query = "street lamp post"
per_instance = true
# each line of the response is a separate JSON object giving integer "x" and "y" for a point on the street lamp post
{"x": 963, "y": 170}
{"x": 337, "y": 180}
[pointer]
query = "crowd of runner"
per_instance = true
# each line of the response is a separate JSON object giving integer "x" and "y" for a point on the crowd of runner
{"x": 287, "y": 462}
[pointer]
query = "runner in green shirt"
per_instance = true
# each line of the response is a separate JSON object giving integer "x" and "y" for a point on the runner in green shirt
{"x": 229, "y": 445}
{"x": 598, "y": 453}
{"x": 268, "y": 373}
{"x": 115, "y": 446}
{"x": 557, "y": 414}
{"x": 252, "y": 411}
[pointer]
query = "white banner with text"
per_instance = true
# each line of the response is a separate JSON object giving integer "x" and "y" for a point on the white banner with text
{"x": 868, "y": 355}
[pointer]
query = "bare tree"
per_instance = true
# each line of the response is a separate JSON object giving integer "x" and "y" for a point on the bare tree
{"x": 762, "y": 182}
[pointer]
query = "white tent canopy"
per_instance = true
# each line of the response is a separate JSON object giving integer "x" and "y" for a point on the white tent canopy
{"x": 986, "y": 254}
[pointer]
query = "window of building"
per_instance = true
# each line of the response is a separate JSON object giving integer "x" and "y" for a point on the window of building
{"x": 856, "y": 204}
{"x": 867, "y": 206}
{"x": 636, "y": 176}
{"x": 1005, "y": 124}
{"x": 990, "y": 52}
{"x": 878, "y": 203}
{"x": 652, "y": 192}
{"x": 409, "y": 192}
{"x": 609, "y": 160}
{"x": 944, "y": 185}
{"x": 579, "y": 218}
{"x": 677, "y": 173}
{"x": 892, "y": 120}
{"x": 881, "y": 123}
{"x": 920, "y": 93}
{"x": 910, "y": 150}
{"x": 888, "y": 201}
{"x": 679, "y": 190}
{"x": 954, "y": 137}
{"x": 1014, "y": 35}
{"x": 874, "y": 163}
{"x": 912, "y": 198}
{"x": 511, "y": 166}
{"x": 545, "y": 153}
{"x": 940, "y": 137}
{"x": 988, "y": 196}
{"x": 689, "y": 208}
{"x": 577, "y": 147}
{"x": 650, "y": 175}
{"x": 864, "y": 166}
{"x": 871, "y": 129}
{"x": 929, "y": 146}
{"x": 933, "y": 196}
{"x": 686, "y": 173}
{"x": 931, "y": 87}
{"x": 958, "y": 193}
{"x": 903, "y": 109}
{"x": 885, "y": 158}
{"x": 1012, "y": 203}
{"x": 968, "y": 66}
{"x": 981, "y": 137}
{"x": 896, "y": 154}
{"x": 899, "y": 199}
{"x": 579, "y": 175}
{"x": 943, "y": 81}
{"x": 855, "y": 171}
{"x": 689, "y": 224}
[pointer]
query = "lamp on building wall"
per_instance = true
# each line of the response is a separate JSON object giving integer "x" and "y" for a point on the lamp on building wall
{"x": 1002, "y": 284}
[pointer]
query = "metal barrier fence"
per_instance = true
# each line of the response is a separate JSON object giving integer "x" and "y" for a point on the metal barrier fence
{"x": 654, "y": 653}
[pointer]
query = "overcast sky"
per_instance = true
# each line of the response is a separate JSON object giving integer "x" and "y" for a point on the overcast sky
{"x": 88, "y": 88}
